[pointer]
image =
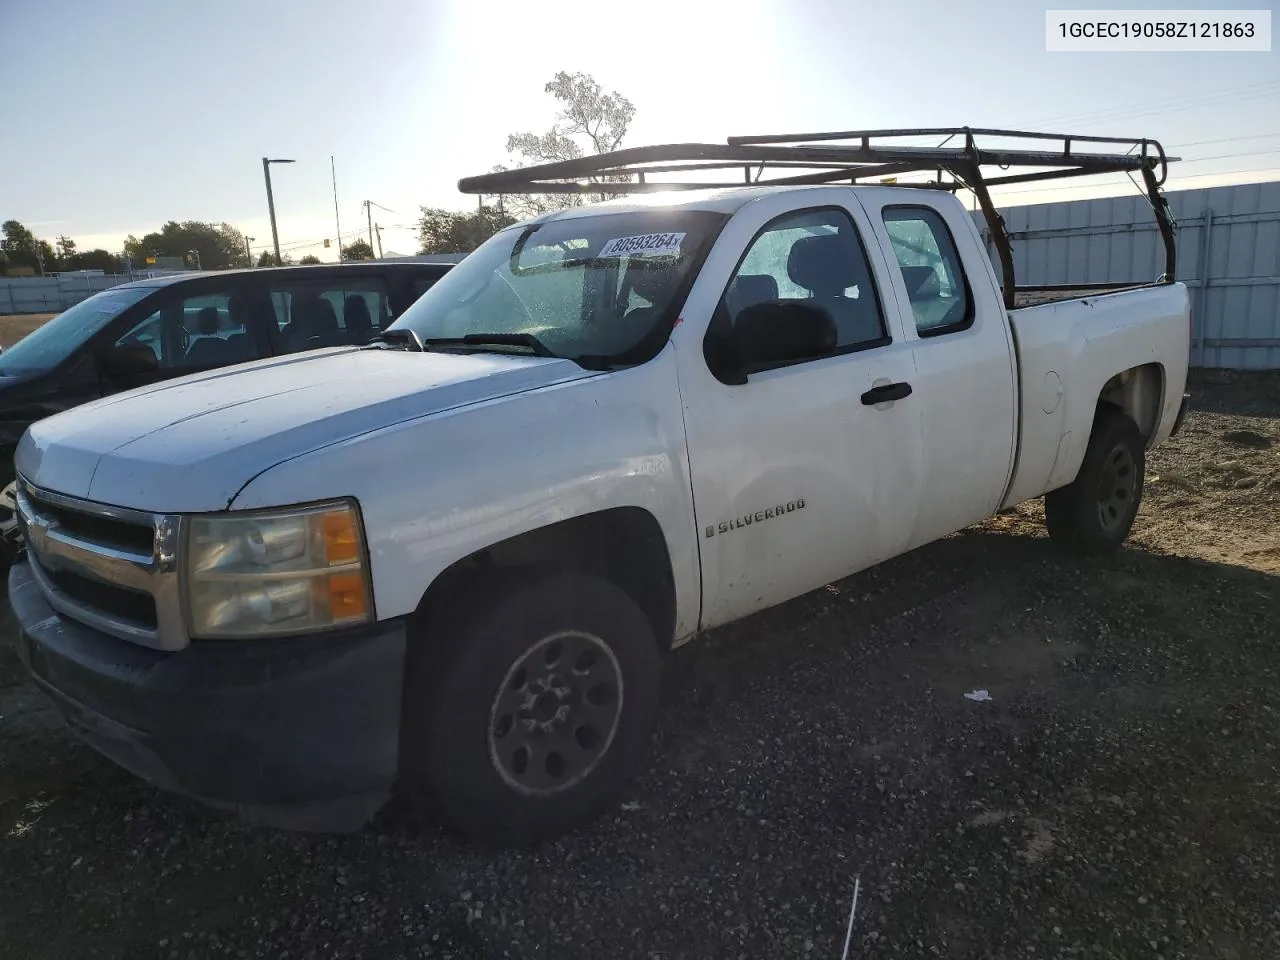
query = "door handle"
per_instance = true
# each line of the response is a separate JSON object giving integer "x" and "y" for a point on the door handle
{"x": 886, "y": 393}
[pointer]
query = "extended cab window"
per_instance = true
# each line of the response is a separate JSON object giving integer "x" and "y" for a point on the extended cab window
{"x": 930, "y": 268}
{"x": 813, "y": 256}
{"x": 206, "y": 330}
{"x": 329, "y": 313}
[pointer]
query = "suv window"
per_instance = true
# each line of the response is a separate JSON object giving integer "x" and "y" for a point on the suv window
{"x": 421, "y": 285}
{"x": 930, "y": 268}
{"x": 329, "y": 313}
{"x": 815, "y": 256}
{"x": 206, "y": 330}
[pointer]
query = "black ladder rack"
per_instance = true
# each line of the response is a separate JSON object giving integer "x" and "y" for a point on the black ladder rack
{"x": 852, "y": 155}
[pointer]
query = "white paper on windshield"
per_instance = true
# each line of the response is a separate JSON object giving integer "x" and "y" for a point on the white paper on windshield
{"x": 644, "y": 245}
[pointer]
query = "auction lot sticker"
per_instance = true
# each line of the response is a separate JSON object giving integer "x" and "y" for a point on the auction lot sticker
{"x": 645, "y": 245}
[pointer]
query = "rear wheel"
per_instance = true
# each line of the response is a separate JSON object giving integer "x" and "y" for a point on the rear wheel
{"x": 530, "y": 704}
{"x": 1093, "y": 514}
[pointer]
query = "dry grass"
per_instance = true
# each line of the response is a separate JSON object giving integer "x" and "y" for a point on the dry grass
{"x": 14, "y": 328}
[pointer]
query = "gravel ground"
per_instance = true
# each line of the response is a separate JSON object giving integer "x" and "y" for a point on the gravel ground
{"x": 1116, "y": 798}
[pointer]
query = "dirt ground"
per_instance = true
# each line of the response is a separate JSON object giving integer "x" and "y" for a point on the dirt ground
{"x": 14, "y": 327}
{"x": 1118, "y": 796}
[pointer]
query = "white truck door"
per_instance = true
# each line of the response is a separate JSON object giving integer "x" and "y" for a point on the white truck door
{"x": 964, "y": 354}
{"x": 810, "y": 470}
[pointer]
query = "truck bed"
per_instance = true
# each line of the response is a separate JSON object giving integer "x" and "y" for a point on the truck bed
{"x": 1070, "y": 351}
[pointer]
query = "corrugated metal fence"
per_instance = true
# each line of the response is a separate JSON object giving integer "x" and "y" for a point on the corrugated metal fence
{"x": 1228, "y": 255}
{"x": 55, "y": 294}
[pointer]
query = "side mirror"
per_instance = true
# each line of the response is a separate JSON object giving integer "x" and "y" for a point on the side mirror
{"x": 780, "y": 331}
{"x": 129, "y": 360}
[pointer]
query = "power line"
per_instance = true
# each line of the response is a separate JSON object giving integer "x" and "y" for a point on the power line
{"x": 1228, "y": 156}
{"x": 1201, "y": 143}
{"x": 1163, "y": 104}
{"x": 1113, "y": 183}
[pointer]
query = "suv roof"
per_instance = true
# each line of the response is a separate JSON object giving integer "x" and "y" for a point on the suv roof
{"x": 367, "y": 266}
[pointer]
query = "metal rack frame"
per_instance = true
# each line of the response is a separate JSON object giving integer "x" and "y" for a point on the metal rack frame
{"x": 862, "y": 154}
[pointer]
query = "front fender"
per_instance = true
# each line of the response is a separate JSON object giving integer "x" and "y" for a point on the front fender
{"x": 435, "y": 490}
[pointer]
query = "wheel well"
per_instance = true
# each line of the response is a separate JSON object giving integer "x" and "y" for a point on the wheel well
{"x": 1139, "y": 392}
{"x": 625, "y": 544}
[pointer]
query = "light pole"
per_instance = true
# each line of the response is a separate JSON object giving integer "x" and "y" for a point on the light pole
{"x": 248, "y": 251}
{"x": 271, "y": 203}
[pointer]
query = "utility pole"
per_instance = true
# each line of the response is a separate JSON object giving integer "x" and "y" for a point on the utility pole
{"x": 336, "y": 222}
{"x": 377, "y": 228}
{"x": 248, "y": 251}
{"x": 368, "y": 212}
{"x": 271, "y": 204}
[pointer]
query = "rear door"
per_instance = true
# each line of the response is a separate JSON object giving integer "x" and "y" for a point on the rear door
{"x": 407, "y": 284}
{"x": 315, "y": 309}
{"x": 964, "y": 357}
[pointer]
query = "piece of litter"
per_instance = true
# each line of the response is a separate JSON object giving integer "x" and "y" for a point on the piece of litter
{"x": 631, "y": 806}
{"x": 978, "y": 696}
{"x": 853, "y": 908}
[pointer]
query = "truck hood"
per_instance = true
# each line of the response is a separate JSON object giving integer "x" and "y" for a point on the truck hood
{"x": 191, "y": 444}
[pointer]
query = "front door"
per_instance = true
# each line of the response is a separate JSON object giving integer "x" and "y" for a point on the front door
{"x": 190, "y": 328}
{"x": 809, "y": 471}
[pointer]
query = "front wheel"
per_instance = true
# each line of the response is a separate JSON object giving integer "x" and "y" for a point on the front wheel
{"x": 1092, "y": 515}
{"x": 530, "y": 704}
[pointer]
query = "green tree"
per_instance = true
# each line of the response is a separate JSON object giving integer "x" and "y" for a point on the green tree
{"x": 588, "y": 121}
{"x": 309, "y": 260}
{"x": 66, "y": 248}
{"x": 94, "y": 260}
{"x": 357, "y": 250}
{"x": 220, "y": 245}
{"x": 267, "y": 259}
{"x": 24, "y": 250}
{"x": 446, "y": 231}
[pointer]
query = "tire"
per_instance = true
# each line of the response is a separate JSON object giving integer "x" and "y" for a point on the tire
{"x": 479, "y": 689}
{"x": 1092, "y": 515}
{"x": 10, "y": 537}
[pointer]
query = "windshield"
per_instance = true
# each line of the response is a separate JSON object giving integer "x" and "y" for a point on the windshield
{"x": 595, "y": 288}
{"x": 46, "y": 347}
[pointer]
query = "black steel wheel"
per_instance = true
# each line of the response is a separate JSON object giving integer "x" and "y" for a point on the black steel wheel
{"x": 529, "y": 703}
{"x": 555, "y": 713}
{"x": 1115, "y": 490}
{"x": 1092, "y": 515}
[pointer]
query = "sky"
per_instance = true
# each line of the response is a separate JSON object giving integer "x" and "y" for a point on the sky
{"x": 119, "y": 117}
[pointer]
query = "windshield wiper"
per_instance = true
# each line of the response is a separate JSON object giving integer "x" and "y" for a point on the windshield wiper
{"x": 527, "y": 340}
{"x": 400, "y": 335}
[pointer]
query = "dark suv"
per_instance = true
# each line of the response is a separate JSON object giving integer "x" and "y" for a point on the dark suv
{"x": 151, "y": 330}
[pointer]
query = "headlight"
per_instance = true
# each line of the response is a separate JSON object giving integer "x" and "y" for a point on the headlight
{"x": 294, "y": 570}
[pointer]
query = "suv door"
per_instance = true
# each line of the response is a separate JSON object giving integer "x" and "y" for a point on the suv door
{"x": 410, "y": 284}
{"x": 315, "y": 309}
{"x": 190, "y": 327}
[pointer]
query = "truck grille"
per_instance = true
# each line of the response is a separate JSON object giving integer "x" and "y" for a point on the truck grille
{"x": 110, "y": 568}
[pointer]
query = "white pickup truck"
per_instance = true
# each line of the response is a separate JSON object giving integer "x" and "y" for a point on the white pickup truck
{"x": 454, "y": 558}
